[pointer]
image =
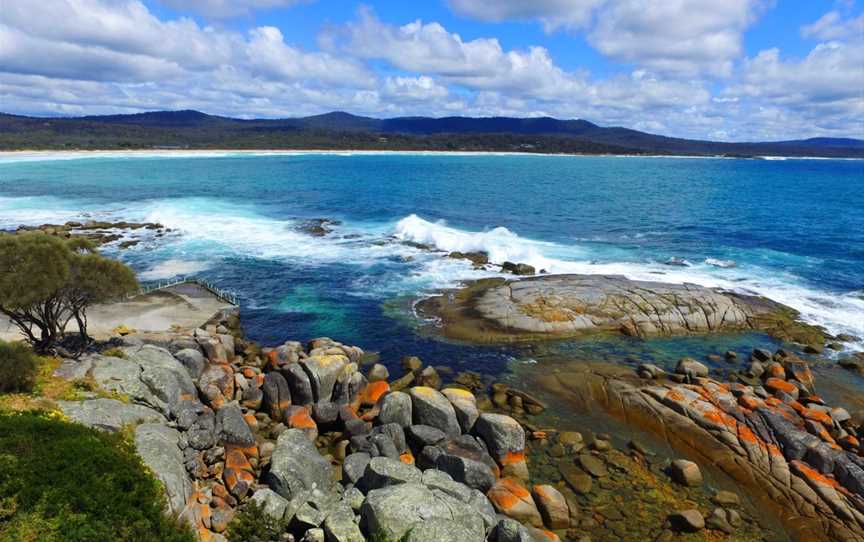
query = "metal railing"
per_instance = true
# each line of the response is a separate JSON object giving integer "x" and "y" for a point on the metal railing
{"x": 224, "y": 295}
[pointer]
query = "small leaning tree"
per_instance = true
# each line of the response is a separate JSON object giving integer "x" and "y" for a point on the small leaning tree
{"x": 47, "y": 282}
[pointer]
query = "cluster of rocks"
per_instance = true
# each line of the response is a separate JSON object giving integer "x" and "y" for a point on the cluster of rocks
{"x": 481, "y": 261}
{"x": 631, "y": 493}
{"x": 328, "y": 451}
{"x": 98, "y": 231}
{"x": 769, "y": 431}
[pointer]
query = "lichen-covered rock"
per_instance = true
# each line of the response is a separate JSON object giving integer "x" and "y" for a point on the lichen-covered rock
{"x": 108, "y": 414}
{"x": 502, "y": 434}
{"x": 273, "y": 504}
{"x": 553, "y": 506}
{"x": 431, "y": 408}
{"x": 396, "y": 408}
{"x": 276, "y": 395}
{"x": 323, "y": 371}
{"x": 385, "y": 471}
{"x": 558, "y": 306}
{"x": 231, "y": 426}
{"x": 394, "y": 511}
{"x": 297, "y": 466}
{"x": 157, "y": 446}
{"x": 514, "y": 501}
{"x": 465, "y": 405}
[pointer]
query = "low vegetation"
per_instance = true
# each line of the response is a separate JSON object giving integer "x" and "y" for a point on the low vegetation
{"x": 61, "y": 481}
{"x": 252, "y": 524}
{"x": 18, "y": 367}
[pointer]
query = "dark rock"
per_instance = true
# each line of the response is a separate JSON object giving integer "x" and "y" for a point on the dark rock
{"x": 299, "y": 384}
{"x": 276, "y": 395}
{"x": 420, "y": 436}
{"x": 687, "y": 521}
{"x": 354, "y": 466}
{"x": 518, "y": 268}
{"x": 232, "y": 427}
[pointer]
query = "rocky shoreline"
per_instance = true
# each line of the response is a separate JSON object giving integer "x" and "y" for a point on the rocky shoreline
{"x": 555, "y": 307}
{"x": 332, "y": 447}
{"x": 100, "y": 232}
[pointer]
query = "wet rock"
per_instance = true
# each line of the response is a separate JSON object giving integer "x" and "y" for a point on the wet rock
{"x": 431, "y": 408}
{"x": 717, "y": 521}
{"x": 593, "y": 465}
{"x": 411, "y": 364}
{"x": 514, "y": 501}
{"x": 378, "y": 372}
{"x": 510, "y": 530}
{"x": 502, "y": 434}
{"x": 429, "y": 377}
{"x": 686, "y": 472}
{"x": 688, "y": 521}
{"x": 760, "y": 354}
{"x": 691, "y": 368}
{"x": 518, "y": 268}
{"x": 578, "y": 480}
{"x": 726, "y": 499}
{"x": 553, "y": 507}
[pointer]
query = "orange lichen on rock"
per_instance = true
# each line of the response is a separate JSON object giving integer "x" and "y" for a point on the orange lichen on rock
{"x": 373, "y": 392}
{"x": 512, "y": 457}
{"x": 776, "y": 384}
{"x": 511, "y": 499}
{"x": 750, "y": 402}
{"x": 407, "y": 458}
{"x": 813, "y": 475}
{"x": 300, "y": 418}
{"x": 817, "y": 416}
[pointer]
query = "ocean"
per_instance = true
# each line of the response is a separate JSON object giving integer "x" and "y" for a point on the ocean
{"x": 789, "y": 229}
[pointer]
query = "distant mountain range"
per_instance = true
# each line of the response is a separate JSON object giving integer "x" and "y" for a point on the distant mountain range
{"x": 339, "y": 130}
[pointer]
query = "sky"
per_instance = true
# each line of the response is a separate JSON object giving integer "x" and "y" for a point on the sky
{"x": 732, "y": 70}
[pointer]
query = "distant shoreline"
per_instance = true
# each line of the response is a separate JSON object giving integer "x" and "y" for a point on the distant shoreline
{"x": 39, "y": 155}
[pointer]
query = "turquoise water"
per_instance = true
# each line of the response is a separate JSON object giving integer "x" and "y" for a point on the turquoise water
{"x": 789, "y": 229}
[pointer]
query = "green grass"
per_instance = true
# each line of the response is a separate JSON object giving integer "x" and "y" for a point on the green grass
{"x": 64, "y": 482}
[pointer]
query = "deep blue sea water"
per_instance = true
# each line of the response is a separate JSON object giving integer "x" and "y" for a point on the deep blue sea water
{"x": 793, "y": 228}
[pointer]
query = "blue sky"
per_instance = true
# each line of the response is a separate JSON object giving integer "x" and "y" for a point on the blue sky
{"x": 730, "y": 70}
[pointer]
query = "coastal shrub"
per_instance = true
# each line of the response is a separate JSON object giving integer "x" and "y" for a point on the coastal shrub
{"x": 47, "y": 282}
{"x": 61, "y": 481}
{"x": 251, "y": 524}
{"x": 18, "y": 367}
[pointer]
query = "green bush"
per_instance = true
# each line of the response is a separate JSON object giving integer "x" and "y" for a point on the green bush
{"x": 18, "y": 366}
{"x": 64, "y": 482}
{"x": 251, "y": 524}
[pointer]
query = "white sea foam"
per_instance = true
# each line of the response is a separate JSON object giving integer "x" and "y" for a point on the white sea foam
{"x": 839, "y": 313}
{"x": 173, "y": 268}
{"x": 725, "y": 264}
